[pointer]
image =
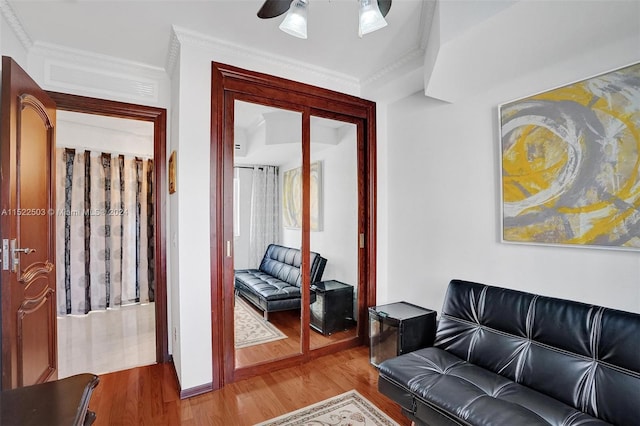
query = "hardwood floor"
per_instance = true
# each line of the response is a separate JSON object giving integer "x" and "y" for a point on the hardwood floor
{"x": 287, "y": 322}
{"x": 148, "y": 395}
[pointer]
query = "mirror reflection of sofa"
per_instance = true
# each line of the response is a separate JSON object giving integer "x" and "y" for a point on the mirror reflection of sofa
{"x": 275, "y": 285}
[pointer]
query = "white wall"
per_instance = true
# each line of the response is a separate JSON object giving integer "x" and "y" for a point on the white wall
{"x": 338, "y": 240}
{"x": 107, "y": 134}
{"x": 10, "y": 45}
{"x": 173, "y": 254}
{"x": 443, "y": 217}
{"x": 190, "y": 230}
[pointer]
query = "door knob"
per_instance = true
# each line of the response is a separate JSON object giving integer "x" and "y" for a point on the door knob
{"x": 25, "y": 250}
{"x": 15, "y": 260}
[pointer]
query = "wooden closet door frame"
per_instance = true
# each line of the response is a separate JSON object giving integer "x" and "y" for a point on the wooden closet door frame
{"x": 227, "y": 84}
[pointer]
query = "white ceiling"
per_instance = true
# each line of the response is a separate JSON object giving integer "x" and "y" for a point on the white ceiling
{"x": 448, "y": 48}
{"x": 282, "y": 146}
{"x": 141, "y": 30}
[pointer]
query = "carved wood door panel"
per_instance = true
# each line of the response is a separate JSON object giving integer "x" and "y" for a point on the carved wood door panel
{"x": 27, "y": 226}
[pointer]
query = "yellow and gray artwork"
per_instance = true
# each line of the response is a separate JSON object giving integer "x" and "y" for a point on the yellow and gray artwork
{"x": 571, "y": 164}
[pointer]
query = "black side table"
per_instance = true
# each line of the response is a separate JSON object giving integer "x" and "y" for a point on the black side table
{"x": 333, "y": 309}
{"x": 398, "y": 328}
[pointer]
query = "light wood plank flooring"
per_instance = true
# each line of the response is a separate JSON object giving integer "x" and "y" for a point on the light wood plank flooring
{"x": 148, "y": 395}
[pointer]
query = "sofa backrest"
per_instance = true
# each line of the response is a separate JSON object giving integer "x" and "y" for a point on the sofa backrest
{"x": 583, "y": 355}
{"x": 284, "y": 263}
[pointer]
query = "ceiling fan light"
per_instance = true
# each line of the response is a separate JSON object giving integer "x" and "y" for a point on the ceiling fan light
{"x": 295, "y": 23}
{"x": 371, "y": 18}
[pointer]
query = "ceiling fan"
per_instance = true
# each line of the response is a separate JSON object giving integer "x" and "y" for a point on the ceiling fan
{"x": 273, "y": 8}
{"x": 372, "y": 13}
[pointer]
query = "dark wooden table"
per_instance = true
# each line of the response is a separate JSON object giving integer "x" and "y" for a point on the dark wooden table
{"x": 58, "y": 403}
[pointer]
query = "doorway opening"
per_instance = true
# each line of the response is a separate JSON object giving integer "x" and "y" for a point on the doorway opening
{"x": 147, "y": 314}
{"x": 104, "y": 243}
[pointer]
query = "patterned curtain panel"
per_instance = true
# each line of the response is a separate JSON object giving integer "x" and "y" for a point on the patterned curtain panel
{"x": 265, "y": 214}
{"x": 105, "y": 231}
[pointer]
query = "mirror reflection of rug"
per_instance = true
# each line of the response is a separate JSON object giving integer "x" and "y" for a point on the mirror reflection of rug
{"x": 251, "y": 328}
{"x": 348, "y": 409}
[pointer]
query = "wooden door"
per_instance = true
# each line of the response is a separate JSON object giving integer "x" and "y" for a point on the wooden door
{"x": 27, "y": 226}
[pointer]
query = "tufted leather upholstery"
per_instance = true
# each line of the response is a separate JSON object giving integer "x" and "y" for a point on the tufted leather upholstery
{"x": 505, "y": 357}
{"x": 275, "y": 286}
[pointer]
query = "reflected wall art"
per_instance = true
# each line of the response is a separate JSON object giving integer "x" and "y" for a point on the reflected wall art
{"x": 570, "y": 162}
{"x": 292, "y": 197}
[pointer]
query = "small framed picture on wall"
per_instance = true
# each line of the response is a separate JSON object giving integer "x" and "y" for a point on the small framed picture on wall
{"x": 172, "y": 173}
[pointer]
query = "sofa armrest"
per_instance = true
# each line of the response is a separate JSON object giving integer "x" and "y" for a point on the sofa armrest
{"x": 316, "y": 275}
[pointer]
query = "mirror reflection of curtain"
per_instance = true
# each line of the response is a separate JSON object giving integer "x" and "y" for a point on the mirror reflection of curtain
{"x": 104, "y": 228}
{"x": 265, "y": 212}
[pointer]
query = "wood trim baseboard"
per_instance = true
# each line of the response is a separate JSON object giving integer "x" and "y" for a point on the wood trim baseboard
{"x": 196, "y": 390}
{"x": 188, "y": 393}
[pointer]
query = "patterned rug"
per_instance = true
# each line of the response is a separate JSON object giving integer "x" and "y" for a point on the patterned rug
{"x": 348, "y": 409}
{"x": 250, "y": 328}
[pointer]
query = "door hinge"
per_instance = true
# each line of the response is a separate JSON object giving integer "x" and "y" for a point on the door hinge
{"x": 362, "y": 240}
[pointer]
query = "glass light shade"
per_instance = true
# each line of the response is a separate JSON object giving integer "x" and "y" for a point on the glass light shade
{"x": 370, "y": 17}
{"x": 295, "y": 23}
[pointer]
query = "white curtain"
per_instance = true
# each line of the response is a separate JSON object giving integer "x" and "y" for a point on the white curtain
{"x": 104, "y": 229}
{"x": 265, "y": 213}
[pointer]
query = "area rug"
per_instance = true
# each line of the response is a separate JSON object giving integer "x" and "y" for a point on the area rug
{"x": 251, "y": 328}
{"x": 348, "y": 409}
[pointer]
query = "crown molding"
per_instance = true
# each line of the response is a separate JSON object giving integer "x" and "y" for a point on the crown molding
{"x": 396, "y": 65}
{"x": 173, "y": 53}
{"x": 427, "y": 15}
{"x": 415, "y": 55}
{"x": 182, "y": 36}
{"x": 94, "y": 60}
{"x": 10, "y": 16}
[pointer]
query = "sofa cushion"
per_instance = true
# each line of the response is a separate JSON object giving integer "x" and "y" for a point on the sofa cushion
{"x": 477, "y": 396}
{"x": 267, "y": 286}
{"x": 285, "y": 263}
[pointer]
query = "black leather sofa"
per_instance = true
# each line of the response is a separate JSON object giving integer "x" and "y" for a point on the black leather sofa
{"x": 505, "y": 357}
{"x": 275, "y": 285}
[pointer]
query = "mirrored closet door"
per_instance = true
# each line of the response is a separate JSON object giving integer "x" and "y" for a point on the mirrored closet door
{"x": 293, "y": 222}
{"x": 335, "y": 226}
{"x": 267, "y": 323}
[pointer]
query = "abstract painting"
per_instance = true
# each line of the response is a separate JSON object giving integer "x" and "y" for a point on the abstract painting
{"x": 292, "y": 197}
{"x": 571, "y": 164}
